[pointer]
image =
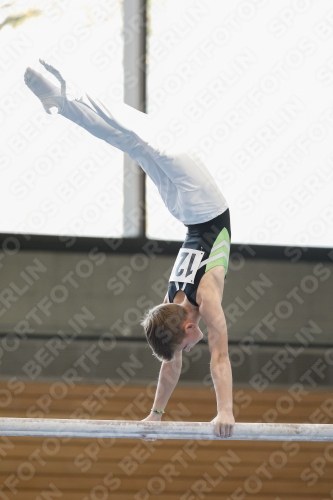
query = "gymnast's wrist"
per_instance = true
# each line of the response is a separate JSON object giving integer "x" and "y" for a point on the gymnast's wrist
{"x": 157, "y": 412}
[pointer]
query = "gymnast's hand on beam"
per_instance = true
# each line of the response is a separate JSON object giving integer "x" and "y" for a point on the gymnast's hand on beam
{"x": 223, "y": 424}
{"x": 152, "y": 417}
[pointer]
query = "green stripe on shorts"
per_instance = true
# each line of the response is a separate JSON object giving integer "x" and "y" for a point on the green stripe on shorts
{"x": 223, "y": 260}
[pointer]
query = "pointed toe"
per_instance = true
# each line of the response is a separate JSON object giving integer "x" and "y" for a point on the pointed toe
{"x": 46, "y": 91}
{"x": 27, "y": 75}
{"x": 50, "y": 95}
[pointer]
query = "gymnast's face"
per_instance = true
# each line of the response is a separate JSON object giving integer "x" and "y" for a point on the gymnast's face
{"x": 193, "y": 336}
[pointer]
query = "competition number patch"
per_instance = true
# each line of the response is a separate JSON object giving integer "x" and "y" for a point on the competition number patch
{"x": 186, "y": 265}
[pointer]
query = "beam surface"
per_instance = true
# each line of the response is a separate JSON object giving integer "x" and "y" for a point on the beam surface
{"x": 161, "y": 430}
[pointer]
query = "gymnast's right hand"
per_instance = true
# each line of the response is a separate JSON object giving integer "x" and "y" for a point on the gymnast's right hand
{"x": 152, "y": 417}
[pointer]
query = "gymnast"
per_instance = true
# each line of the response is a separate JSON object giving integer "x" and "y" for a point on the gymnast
{"x": 192, "y": 196}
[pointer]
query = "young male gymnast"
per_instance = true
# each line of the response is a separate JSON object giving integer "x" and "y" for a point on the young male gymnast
{"x": 191, "y": 195}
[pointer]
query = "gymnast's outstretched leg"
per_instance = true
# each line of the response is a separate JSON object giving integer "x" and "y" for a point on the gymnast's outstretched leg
{"x": 185, "y": 185}
{"x": 82, "y": 112}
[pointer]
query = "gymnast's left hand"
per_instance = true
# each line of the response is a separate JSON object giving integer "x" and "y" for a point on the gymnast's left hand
{"x": 224, "y": 424}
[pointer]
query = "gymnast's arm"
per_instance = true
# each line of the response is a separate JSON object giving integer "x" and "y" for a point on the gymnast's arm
{"x": 211, "y": 312}
{"x": 167, "y": 381}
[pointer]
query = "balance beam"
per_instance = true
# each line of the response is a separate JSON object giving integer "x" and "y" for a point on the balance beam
{"x": 161, "y": 430}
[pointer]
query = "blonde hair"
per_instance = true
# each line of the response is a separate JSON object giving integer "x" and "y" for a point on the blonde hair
{"x": 164, "y": 329}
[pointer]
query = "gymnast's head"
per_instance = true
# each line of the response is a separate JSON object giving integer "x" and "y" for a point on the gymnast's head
{"x": 168, "y": 330}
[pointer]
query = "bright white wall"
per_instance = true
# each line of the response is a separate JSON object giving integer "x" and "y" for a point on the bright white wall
{"x": 55, "y": 177}
{"x": 249, "y": 85}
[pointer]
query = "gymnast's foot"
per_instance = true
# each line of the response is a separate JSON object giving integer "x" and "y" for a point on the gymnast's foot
{"x": 37, "y": 83}
{"x": 49, "y": 94}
